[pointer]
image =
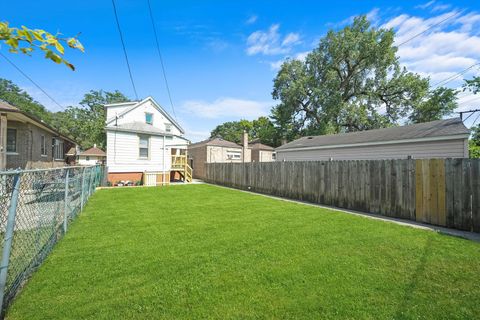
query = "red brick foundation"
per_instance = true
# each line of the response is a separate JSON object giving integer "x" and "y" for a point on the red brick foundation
{"x": 115, "y": 177}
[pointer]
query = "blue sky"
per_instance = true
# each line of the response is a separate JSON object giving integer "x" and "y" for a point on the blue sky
{"x": 221, "y": 56}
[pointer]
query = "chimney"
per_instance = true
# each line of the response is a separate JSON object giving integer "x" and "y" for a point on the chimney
{"x": 245, "y": 139}
{"x": 283, "y": 141}
{"x": 94, "y": 145}
{"x": 246, "y": 157}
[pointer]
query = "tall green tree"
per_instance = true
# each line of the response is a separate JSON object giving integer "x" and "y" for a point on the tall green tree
{"x": 14, "y": 95}
{"x": 352, "y": 81}
{"x": 439, "y": 103}
{"x": 261, "y": 128}
{"x": 87, "y": 122}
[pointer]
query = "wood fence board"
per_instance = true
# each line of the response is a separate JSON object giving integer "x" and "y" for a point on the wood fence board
{"x": 443, "y": 192}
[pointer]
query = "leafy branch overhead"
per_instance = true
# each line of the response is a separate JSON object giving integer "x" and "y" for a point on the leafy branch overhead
{"x": 25, "y": 40}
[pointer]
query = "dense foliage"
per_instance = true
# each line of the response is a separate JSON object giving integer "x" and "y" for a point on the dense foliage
{"x": 261, "y": 129}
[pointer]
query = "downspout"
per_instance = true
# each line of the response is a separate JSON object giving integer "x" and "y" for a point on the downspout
{"x": 163, "y": 174}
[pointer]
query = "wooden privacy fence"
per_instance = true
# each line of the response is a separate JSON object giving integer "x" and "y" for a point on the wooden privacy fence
{"x": 444, "y": 192}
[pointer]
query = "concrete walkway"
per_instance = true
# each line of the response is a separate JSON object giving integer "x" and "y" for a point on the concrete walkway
{"x": 451, "y": 232}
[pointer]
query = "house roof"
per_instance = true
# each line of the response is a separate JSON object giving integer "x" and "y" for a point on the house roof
{"x": 257, "y": 145}
{"x": 94, "y": 152}
{"x": 135, "y": 104}
{"x": 142, "y": 128}
{"x": 218, "y": 142}
{"x": 434, "y": 130}
{"x": 6, "y": 107}
{"x": 71, "y": 152}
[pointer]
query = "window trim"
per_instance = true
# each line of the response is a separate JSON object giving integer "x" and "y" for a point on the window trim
{"x": 14, "y": 152}
{"x": 151, "y": 114}
{"x": 55, "y": 150}
{"x": 168, "y": 127}
{"x": 43, "y": 146}
{"x": 234, "y": 155}
{"x": 140, "y": 136}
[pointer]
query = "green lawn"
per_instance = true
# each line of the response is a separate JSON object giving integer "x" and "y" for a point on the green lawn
{"x": 199, "y": 251}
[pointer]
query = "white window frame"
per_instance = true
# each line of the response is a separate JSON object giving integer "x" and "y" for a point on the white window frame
{"x": 43, "y": 145}
{"x": 234, "y": 154}
{"x": 57, "y": 150}
{"x": 148, "y": 114}
{"x": 140, "y": 137}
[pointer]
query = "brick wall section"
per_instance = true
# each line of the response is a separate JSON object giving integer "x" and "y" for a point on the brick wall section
{"x": 199, "y": 157}
{"x": 114, "y": 177}
{"x": 29, "y": 153}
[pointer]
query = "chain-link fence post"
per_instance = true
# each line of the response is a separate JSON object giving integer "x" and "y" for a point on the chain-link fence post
{"x": 82, "y": 189}
{"x": 65, "y": 208}
{"x": 7, "y": 243}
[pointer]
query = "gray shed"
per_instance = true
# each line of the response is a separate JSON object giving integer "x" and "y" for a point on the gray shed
{"x": 435, "y": 139}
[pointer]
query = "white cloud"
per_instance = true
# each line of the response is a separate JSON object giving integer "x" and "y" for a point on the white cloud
{"x": 227, "y": 107}
{"x": 275, "y": 65}
{"x": 448, "y": 44}
{"x": 271, "y": 42}
{"x": 440, "y": 7}
{"x": 252, "y": 19}
{"x": 425, "y": 5}
{"x": 290, "y": 39}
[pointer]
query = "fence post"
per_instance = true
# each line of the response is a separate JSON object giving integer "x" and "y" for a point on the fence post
{"x": 82, "y": 188}
{"x": 65, "y": 209}
{"x": 8, "y": 238}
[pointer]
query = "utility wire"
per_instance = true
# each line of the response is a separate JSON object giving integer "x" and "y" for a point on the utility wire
{"x": 432, "y": 26}
{"x": 124, "y": 49}
{"x": 31, "y": 80}
{"x": 475, "y": 119}
{"x": 455, "y": 76}
{"x": 161, "y": 59}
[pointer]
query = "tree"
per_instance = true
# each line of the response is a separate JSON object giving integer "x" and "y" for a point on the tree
{"x": 87, "y": 123}
{"x": 261, "y": 128}
{"x": 472, "y": 85}
{"x": 25, "y": 40}
{"x": 439, "y": 103}
{"x": 11, "y": 93}
{"x": 352, "y": 81}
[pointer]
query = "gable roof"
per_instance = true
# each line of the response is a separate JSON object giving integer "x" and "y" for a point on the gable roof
{"x": 434, "y": 130}
{"x": 139, "y": 103}
{"x": 218, "y": 142}
{"x": 257, "y": 145}
{"x": 94, "y": 152}
{"x": 6, "y": 107}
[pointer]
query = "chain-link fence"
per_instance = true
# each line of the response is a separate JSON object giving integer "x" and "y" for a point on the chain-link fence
{"x": 36, "y": 207}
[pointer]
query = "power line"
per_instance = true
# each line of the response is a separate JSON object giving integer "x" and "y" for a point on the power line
{"x": 124, "y": 49}
{"x": 433, "y": 25}
{"x": 161, "y": 59}
{"x": 31, "y": 80}
{"x": 455, "y": 76}
{"x": 475, "y": 119}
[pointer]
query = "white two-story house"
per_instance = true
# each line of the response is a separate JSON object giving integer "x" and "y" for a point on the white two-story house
{"x": 144, "y": 143}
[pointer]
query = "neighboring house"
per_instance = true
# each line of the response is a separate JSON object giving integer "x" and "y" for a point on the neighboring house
{"x": 91, "y": 157}
{"x": 261, "y": 152}
{"x": 27, "y": 142}
{"x": 144, "y": 142}
{"x": 218, "y": 150}
{"x": 436, "y": 139}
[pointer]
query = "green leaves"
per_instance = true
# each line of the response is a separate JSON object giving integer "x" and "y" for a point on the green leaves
{"x": 25, "y": 40}
{"x": 352, "y": 81}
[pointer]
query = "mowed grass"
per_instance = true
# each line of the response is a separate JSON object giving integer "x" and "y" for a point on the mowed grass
{"x": 200, "y": 251}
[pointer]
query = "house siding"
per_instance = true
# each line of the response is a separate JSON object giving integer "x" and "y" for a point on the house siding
{"x": 123, "y": 153}
{"x": 261, "y": 155}
{"x": 417, "y": 150}
{"x": 203, "y": 154}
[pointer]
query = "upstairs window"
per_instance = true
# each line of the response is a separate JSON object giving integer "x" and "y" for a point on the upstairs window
{"x": 43, "y": 145}
{"x": 148, "y": 118}
{"x": 168, "y": 127}
{"x": 143, "y": 146}
{"x": 11, "y": 140}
